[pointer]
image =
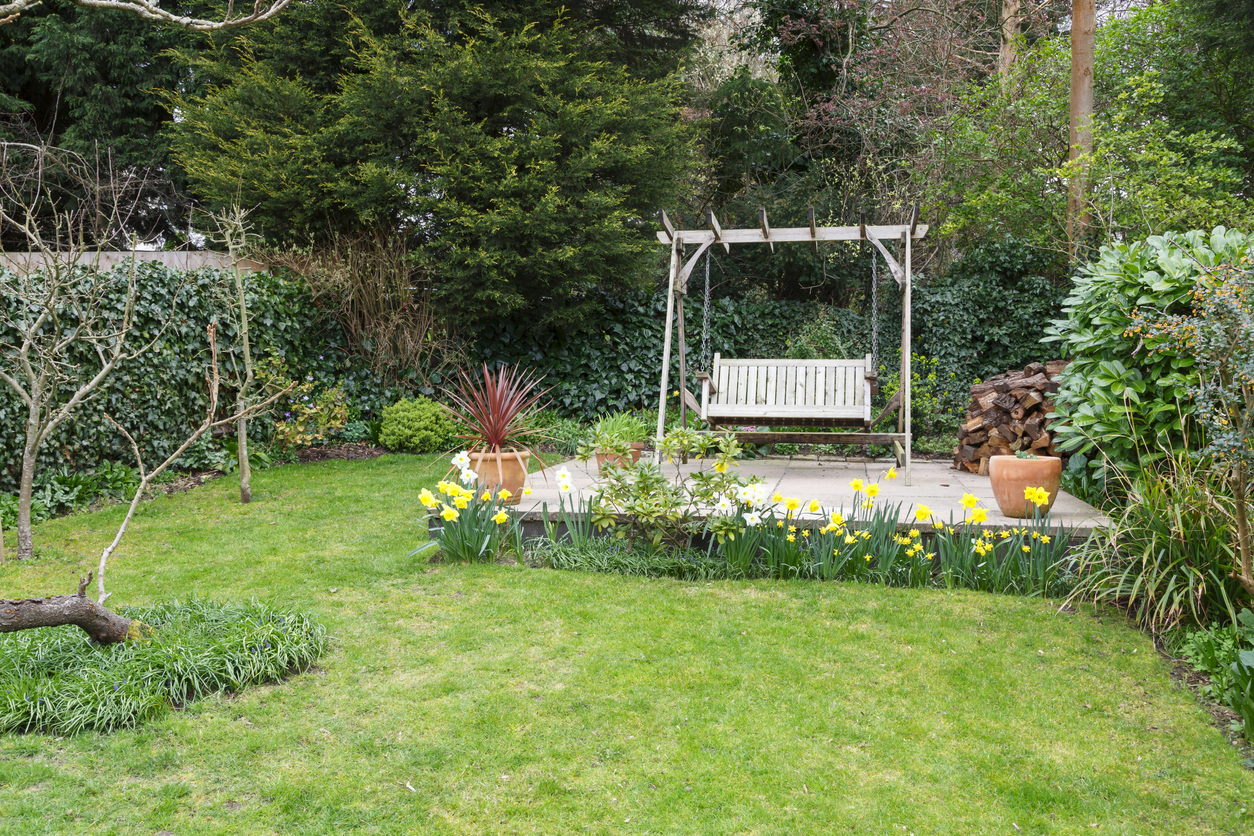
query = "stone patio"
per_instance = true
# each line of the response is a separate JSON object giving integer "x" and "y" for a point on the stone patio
{"x": 936, "y": 485}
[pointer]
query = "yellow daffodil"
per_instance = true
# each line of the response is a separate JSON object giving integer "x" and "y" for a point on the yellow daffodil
{"x": 891, "y": 474}
{"x": 872, "y": 491}
{"x": 838, "y": 519}
{"x": 779, "y": 523}
{"x": 527, "y": 491}
{"x": 486, "y": 496}
{"x": 1045, "y": 538}
{"x": 922, "y": 513}
{"x": 500, "y": 517}
{"x": 428, "y": 499}
{"x": 449, "y": 514}
{"x": 813, "y": 506}
{"x": 865, "y": 535}
{"x": 791, "y": 504}
{"x": 915, "y": 533}
{"x": 969, "y": 501}
{"x": 805, "y": 532}
{"x": 1027, "y": 549}
{"x": 792, "y": 529}
{"x": 461, "y": 502}
{"x": 979, "y": 515}
{"x": 779, "y": 497}
{"x": 857, "y": 485}
{"x": 792, "y": 538}
{"x": 867, "y": 558}
{"x": 503, "y": 494}
{"x": 850, "y": 539}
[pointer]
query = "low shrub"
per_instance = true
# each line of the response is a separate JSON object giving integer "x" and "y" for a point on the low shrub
{"x": 55, "y": 680}
{"x": 416, "y": 426}
{"x": 618, "y": 557}
{"x": 1225, "y": 653}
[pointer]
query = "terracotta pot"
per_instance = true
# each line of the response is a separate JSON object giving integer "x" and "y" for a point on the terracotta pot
{"x": 513, "y": 471}
{"x": 1011, "y": 475}
{"x": 615, "y": 460}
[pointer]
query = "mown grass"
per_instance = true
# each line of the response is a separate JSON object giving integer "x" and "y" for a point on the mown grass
{"x": 498, "y": 699}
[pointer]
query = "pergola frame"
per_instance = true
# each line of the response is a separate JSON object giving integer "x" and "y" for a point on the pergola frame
{"x": 680, "y": 270}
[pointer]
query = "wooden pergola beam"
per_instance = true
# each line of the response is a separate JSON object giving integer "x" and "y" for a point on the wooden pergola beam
{"x": 766, "y": 227}
{"x": 794, "y": 234}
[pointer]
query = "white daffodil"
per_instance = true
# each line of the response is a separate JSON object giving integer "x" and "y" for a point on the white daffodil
{"x": 563, "y": 475}
{"x": 462, "y": 460}
{"x": 468, "y": 476}
{"x": 753, "y": 519}
{"x": 724, "y": 505}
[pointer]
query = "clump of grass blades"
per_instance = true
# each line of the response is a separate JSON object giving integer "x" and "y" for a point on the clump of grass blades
{"x": 55, "y": 680}
{"x": 1167, "y": 556}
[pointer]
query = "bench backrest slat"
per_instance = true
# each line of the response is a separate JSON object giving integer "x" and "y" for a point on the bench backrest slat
{"x": 784, "y": 384}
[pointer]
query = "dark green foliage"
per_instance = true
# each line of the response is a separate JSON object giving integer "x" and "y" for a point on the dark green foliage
{"x": 616, "y": 367}
{"x": 1225, "y": 653}
{"x": 416, "y": 426}
{"x": 616, "y": 557}
{"x": 55, "y": 680}
{"x": 163, "y": 394}
{"x": 89, "y": 80}
{"x": 518, "y": 169}
{"x": 988, "y": 312}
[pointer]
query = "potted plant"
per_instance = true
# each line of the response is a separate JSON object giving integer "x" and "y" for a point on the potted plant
{"x": 495, "y": 412}
{"x": 1013, "y": 475}
{"x": 618, "y": 438}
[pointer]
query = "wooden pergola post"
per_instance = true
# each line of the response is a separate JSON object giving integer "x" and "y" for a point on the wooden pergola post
{"x": 666, "y": 341}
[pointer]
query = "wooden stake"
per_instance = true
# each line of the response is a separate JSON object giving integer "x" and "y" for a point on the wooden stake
{"x": 666, "y": 349}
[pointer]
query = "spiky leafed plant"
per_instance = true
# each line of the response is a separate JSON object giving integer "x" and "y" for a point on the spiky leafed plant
{"x": 496, "y": 409}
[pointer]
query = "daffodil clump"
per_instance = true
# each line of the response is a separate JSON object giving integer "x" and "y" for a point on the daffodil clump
{"x": 476, "y": 525}
{"x": 1027, "y": 560}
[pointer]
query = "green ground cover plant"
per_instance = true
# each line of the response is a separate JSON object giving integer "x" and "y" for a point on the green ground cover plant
{"x": 476, "y": 698}
{"x": 55, "y": 680}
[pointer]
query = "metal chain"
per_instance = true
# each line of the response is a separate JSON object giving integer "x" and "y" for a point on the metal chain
{"x": 875, "y": 310}
{"x": 706, "y": 359}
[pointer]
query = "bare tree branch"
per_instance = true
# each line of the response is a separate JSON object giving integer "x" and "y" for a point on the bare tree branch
{"x": 262, "y": 10}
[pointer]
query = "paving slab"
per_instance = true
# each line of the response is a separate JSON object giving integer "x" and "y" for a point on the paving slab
{"x": 935, "y": 484}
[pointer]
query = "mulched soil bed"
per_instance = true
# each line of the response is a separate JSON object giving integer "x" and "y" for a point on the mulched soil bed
{"x": 348, "y": 452}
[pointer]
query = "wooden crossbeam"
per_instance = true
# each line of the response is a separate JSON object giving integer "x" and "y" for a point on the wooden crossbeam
{"x": 785, "y": 235}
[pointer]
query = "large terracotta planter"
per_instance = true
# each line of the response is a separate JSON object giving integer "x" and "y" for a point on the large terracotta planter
{"x": 615, "y": 460}
{"x": 1011, "y": 475}
{"x": 511, "y": 474}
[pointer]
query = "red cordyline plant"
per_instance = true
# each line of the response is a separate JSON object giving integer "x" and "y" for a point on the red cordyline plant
{"x": 494, "y": 409}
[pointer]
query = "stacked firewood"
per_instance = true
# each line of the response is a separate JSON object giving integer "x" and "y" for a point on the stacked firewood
{"x": 1007, "y": 414}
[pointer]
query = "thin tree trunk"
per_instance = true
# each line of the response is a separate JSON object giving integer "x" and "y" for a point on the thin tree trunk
{"x": 1008, "y": 50}
{"x": 26, "y": 487}
{"x": 1083, "y": 28}
{"x": 1246, "y": 575}
{"x": 101, "y": 625}
{"x": 245, "y": 470}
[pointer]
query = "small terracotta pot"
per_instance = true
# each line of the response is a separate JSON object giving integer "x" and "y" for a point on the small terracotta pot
{"x": 510, "y": 475}
{"x": 615, "y": 460}
{"x": 1012, "y": 475}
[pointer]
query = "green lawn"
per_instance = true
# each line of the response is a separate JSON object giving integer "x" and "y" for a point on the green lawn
{"x": 494, "y": 699}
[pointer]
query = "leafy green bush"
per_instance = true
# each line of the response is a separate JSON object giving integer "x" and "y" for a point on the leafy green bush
{"x": 618, "y": 557}
{"x": 1226, "y": 655}
{"x": 937, "y": 398}
{"x": 55, "y": 680}
{"x": 566, "y": 434}
{"x": 416, "y": 426}
{"x": 825, "y": 335}
{"x": 1122, "y": 406}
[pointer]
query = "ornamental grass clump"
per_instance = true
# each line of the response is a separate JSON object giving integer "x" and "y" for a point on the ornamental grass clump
{"x": 477, "y": 526}
{"x": 55, "y": 680}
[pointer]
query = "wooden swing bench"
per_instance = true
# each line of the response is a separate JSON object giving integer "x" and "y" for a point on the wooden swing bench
{"x": 794, "y": 393}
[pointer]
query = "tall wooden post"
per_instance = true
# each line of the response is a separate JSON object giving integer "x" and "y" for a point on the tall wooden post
{"x": 666, "y": 349}
{"x": 905, "y": 355}
{"x": 1083, "y": 28}
{"x": 681, "y": 293}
